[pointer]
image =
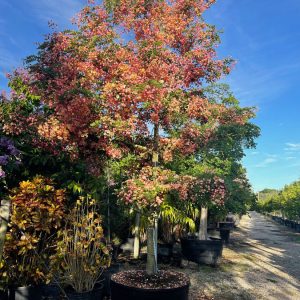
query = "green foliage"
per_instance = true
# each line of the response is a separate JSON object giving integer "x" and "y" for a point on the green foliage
{"x": 285, "y": 202}
{"x": 177, "y": 218}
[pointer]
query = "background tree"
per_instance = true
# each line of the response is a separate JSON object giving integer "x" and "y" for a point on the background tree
{"x": 285, "y": 202}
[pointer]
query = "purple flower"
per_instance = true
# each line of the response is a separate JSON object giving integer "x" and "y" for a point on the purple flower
{"x": 4, "y": 160}
{"x": 8, "y": 147}
{"x": 9, "y": 155}
{"x": 5, "y": 142}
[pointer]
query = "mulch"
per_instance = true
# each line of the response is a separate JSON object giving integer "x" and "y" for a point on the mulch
{"x": 162, "y": 280}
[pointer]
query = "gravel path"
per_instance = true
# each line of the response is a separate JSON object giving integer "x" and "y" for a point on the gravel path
{"x": 262, "y": 261}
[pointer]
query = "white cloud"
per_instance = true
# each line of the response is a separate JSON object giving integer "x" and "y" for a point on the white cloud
{"x": 266, "y": 162}
{"x": 290, "y": 158}
{"x": 292, "y": 147}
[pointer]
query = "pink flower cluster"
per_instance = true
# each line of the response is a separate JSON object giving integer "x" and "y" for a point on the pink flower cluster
{"x": 202, "y": 190}
{"x": 149, "y": 189}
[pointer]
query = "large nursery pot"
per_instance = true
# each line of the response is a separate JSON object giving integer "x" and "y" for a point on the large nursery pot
{"x": 137, "y": 285}
{"x": 3, "y": 295}
{"x": 95, "y": 294}
{"x": 50, "y": 291}
{"x": 206, "y": 252}
{"x": 25, "y": 293}
{"x": 225, "y": 235}
{"x": 106, "y": 276}
{"x": 164, "y": 252}
{"x": 293, "y": 224}
{"x": 226, "y": 225}
{"x": 235, "y": 219}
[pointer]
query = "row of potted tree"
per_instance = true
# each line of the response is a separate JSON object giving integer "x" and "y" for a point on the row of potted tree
{"x": 282, "y": 205}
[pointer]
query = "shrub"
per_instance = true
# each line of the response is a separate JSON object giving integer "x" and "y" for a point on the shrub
{"x": 81, "y": 254}
{"x": 37, "y": 214}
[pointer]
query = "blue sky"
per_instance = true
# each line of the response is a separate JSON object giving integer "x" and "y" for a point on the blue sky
{"x": 262, "y": 35}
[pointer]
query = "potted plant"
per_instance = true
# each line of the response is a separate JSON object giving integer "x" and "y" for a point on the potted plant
{"x": 203, "y": 192}
{"x": 225, "y": 228}
{"x": 146, "y": 193}
{"x": 37, "y": 214}
{"x": 81, "y": 254}
{"x": 176, "y": 218}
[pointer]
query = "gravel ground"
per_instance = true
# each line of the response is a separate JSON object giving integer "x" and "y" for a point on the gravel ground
{"x": 262, "y": 261}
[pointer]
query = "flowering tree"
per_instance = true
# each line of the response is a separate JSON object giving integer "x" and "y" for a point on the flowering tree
{"x": 146, "y": 193}
{"x": 203, "y": 191}
{"x": 130, "y": 77}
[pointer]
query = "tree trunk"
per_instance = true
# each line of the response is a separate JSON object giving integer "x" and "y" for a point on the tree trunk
{"x": 108, "y": 206}
{"x": 151, "y": 267}
{"x": 136, "y": 246}
{"x": 156, "y": 230}
{"x": 203, "y": 224}
{"x": 4, "y": 218}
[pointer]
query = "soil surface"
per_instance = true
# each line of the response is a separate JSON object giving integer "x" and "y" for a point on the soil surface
{"x": 261, "y": 261}
{"x": 140, "y": 279}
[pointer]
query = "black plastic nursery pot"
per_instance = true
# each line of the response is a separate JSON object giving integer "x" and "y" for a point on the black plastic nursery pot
{"x": 225, "y": 235}
{"x": 95, "y": 294}
{"x": 133, "y": 285}
{"x": 25, "y": 293}
{"x": 293, "y": 224}
{"x": 206, "y": 252}
{"x": 3, "y": 295}
{"x": 235, "y": 219}
{"x": 51, "y": 291}
{"x": 164, "y": 252}
{"x": 226, "y": 225}
{"x": 106, "y": 276}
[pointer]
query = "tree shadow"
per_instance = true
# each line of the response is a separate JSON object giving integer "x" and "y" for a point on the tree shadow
{"x": 261, "y": 262}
